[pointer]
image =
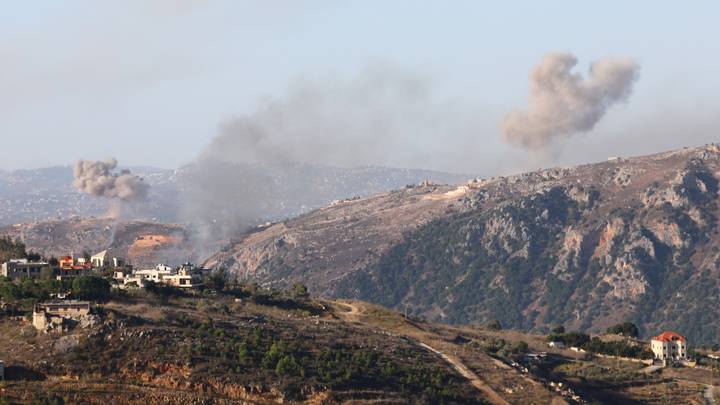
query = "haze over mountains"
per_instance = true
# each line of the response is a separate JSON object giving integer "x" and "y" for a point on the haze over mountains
{"x": 185, "y": 195}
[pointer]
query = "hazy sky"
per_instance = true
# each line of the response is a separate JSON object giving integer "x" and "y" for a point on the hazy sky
{"x": 151, "y": 81}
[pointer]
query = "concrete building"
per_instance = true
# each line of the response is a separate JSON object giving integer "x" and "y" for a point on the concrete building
{"x": 105, "y": 259}
{"x": 17, "y": 268}
{"x": 669, "y": 346}
{"x": 184, "y": 278}
{"x": 155, "y": 275}
{"x": 51, "y": 314}
{"x": 126, "y": 280}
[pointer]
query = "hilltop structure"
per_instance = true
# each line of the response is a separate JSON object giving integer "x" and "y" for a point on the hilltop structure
{"x": 669, "y": 346}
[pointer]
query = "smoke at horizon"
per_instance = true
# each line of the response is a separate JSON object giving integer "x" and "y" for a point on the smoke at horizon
{"x": 562, "y": 103}
{"x": 99, "y": 179}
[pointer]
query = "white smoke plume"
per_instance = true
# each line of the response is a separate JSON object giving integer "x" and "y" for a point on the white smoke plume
{"x": 98, "y": 179}
{"x": 563, "y": 103}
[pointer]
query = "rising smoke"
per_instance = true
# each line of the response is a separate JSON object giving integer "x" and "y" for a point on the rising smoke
{"x": 562, "y": 103}
{"x": 99, "y": 179}
{"x": 384, "y": 116}
{"x": 314, "y": 145}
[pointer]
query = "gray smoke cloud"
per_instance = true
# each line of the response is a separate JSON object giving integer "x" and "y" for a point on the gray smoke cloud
{"x": 324, "y": 139}
{"x": 98, "y": 179}
{"x": 384, "y": 116}
{"x": 563, "y": 103}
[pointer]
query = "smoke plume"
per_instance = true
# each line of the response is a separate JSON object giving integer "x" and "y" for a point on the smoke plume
{"x": 321, "y": 141}
{"x": 98, "y": 179}
{"x": 563, "y": 103}
{"x": 384, "y": 116}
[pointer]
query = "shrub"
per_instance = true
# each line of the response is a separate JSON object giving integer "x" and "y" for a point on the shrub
{"x": 91, "y": 288}
{"x": 287, "y": 366}
{"x": 628, "y": 329}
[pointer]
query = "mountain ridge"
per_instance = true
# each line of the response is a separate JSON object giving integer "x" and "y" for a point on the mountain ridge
{"x": 585, "y": 246}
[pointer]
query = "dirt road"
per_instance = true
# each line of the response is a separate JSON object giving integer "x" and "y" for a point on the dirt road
{"x": 354, "y": 314}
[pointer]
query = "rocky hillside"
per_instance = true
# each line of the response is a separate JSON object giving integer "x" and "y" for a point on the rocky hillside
{"x": 587, "y": 246}
{"x": 142, "y": 243}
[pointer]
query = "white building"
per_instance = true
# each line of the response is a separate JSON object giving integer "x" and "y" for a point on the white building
{"x": 104, "y": 259}
{"x": 184, "y": 278}
{"x": 16, "y": 268}
{"x": 669, "y": 346}
{"x": 155, "y": 275}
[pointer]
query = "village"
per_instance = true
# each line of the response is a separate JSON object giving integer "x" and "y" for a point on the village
{"x": 65, "y": 309}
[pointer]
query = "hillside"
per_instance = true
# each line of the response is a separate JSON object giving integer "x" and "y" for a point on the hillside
{"x": 586, "y": 247}
{"x": 246, "y": 345}
{"x": 142, "y": 243}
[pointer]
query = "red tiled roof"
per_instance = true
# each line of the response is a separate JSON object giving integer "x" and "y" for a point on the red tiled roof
{"x": 669, "y": 337}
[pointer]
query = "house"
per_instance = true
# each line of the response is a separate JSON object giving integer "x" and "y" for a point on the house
{"x": 186, "y": 277}
{"x": 17, "y": 268}
{"x": 155, "y": 275}
{"x": 51, "y": 314}
{"x": 66, "y": 261}
{"x": 104, "y": 259}
{"x": 64, "y": 273}
{"x": 669, "y": 346}
{"x": 126, "y": 280}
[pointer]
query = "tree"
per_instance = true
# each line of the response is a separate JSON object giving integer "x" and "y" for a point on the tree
{"x": 9, "y": 291}
{"x": 519, "y": 347}
{"x": 287, "y": 366}
{"x": 217, "y": 279}
{"x": 627, "y": 329}
{"x": 299, "y": 291}
{"x": 47, "y": 273}
{"x": 91, "y": 288}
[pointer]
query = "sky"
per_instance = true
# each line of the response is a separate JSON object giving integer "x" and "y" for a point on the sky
{"x": 151, "y": 82}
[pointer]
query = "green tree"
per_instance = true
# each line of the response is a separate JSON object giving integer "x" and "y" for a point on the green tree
{"x": 287, "y": 366}
{"x": 628, "y": 329}
{"x": 47, "y": 273}
{"x": 519, "y": 347}
{"x": 217, "y": 279}
{"x": 91, "y": 288}
{"x": 276, "y": 352}
{"x": 299, "y": 291}
{"x": 9, "y": 291}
